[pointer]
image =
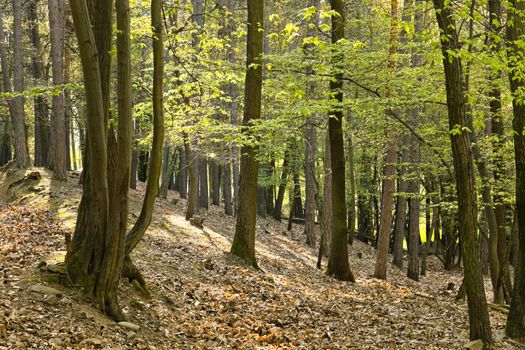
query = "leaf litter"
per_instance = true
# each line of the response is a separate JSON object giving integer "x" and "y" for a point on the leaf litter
{"x": 204, "y": 298}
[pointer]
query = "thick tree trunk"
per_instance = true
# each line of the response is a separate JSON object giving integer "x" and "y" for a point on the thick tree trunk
{"x": 464, "y": 171}
{"x": 244, "y": 240}
{"x": 516, "y": 54}
{"x": 338, "y": 266}
{"x": 57, "y": 158}
{"x": 85, "y": 262}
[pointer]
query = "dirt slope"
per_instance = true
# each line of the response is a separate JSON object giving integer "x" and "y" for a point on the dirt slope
{"x": 201, "y": 297}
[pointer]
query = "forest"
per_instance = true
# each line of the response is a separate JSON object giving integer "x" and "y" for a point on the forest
{"x": 258, "y": 174}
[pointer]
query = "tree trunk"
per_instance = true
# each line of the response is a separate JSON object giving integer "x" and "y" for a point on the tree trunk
{"x": 401, "y": 213}
{"x": 93, "y": 262}
{"x": 227, "y": 188}
{"x": 192, "y": 166}
{"x": 215, "y": 174}
{"x": 203, "y": 183}
{"x": 310, "y": 141}
{"x": 16, "y": 104}
{"x": 141, "y": 225}
{"x": 386, "y": 211}
{"x": 326, "y": 216}
{"x": 516, "y": 54}
{"x": 364, "y": 202}
{"x": 414, "y": 204}
{"x": 465, "y": 177}
{"x": 243, "y": 244}
{"x": 39, "y": 104}
{"x": 277, "y": 209}
{"x": 338, "y": 266}
{"x": 57, "y": 159}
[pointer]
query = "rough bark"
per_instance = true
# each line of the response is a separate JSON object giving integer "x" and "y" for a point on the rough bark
{"x": 16, "y": 104}
{"x": 401, "y": 213}
{"x": 386, "y": 211}
{"x": 516, "y": 319}
{"x": 338, "y": 266}
{"x": 464, "y": 173}
{"x": 57, "y": 158}
{"x": 39, "y": 104}
{"x": 243, "y": 244}
{"x": 414, "y": 204}
{"x": 203, "y": 183}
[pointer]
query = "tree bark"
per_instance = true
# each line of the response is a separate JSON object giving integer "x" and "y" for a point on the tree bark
{"x": 57, "y": 158}
{"x": 16, "y": 104}
{"x": 39, "y": 104}
{"x": 243, "y": 244}
{"x": 464, "y": 172}
{"x": 338, "y": 266}
{"x": 386, "y": 211}
{"x": 414, "y": 205}
{"x": 277, "y": 209}
{"x": 516, "y": 319}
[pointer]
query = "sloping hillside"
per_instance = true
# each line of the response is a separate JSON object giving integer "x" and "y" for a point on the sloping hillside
{"x": 201, "y": 297}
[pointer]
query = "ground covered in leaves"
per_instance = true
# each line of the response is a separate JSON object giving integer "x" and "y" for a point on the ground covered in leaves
{"x": 203, "y": 298}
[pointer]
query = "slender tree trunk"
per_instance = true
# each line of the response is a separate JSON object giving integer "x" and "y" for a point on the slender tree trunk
{"x": 386, "y": 210}
{"x": 141, "y": 225}
{"x": 227, "y": 188}
{"x": 326, "y": 217}
{"x": 39, "y": 104}
{"x": 310, "y": 139}
{"x": 16, "y": 104}
{"x": 243, "y": 244}
{"x": 215, "y": 174}
{"x": 465, "y": 178}
{"x": 277, "y": 209}
{"x": 57, "y": 159}
{"x": 352, "y": 210}
{"x": 401, "y": 213}
{"x": 414, "y": 205}
{"x": 203, "y": 183}
{"x": 192, "y": 166}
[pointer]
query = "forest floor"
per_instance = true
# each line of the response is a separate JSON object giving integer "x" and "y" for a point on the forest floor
{"x": 202, "y": 297}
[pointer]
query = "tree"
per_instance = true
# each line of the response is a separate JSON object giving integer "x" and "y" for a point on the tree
{"x": 243, "y": 244}
{"x": 58, "y": 145}
{"x": 338, "y": 258}
{"x": 16, "y": 103}
{"x": 97, "y": 254}
{"x": 155, "y": 162}
{"x": 515, "y": 32}
{"x": 464, "y": 173}
{"x": 387, "y": 199}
